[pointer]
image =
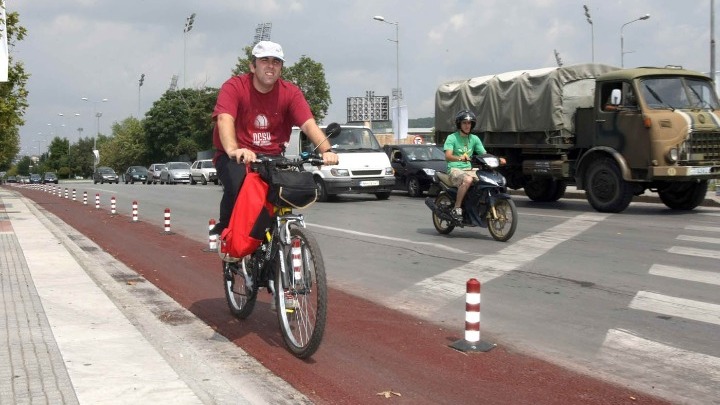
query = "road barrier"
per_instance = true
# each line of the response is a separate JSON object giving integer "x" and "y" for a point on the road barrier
{"x": 212, "y": 239}
{"x": 112, "y": 205}
{"x": 167, "y": 220}
{"x": 84, "y": 197}
{"x": 73, "y": 195}
{"x": 66, "y": 193}
{"x": 472, "y": 342}
{"x": 134, "y": 211}
{"x": 97, "y": 201}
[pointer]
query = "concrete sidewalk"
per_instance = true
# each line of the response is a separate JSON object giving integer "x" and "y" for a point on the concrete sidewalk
{"x": 76, "y": 333}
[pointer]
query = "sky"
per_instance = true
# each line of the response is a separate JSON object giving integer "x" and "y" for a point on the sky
{"x": 97, "y": 49}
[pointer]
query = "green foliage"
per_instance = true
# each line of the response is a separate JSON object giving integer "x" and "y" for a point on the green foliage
{"x": 23, "y": 166}
{"x": 126, "y": 147}
{"x": 82, "y": 158}
{"x": 243, "y": 64}
{"x": 427, "y": 122}
{"x": 179, "y": 123}
{"x": 13, "y": 94}
{"x": 310, "y": 77}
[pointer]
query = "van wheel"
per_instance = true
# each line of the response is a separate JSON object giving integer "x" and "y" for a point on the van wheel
{"x": 383, "y": 196}
{"x": 321, "y": 190}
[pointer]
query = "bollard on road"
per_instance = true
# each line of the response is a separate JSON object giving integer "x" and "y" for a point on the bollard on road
{"x": 134, "y": 211}
{"x": 212, "y": 239}
{"x": 112, "y": 206}
{"x": 73, "y": 195}
{"x": 97, "y": 201}
{"x": 167, "y": 220}
{"x": 472, "y": 342}
{"x": 84, "y": 197}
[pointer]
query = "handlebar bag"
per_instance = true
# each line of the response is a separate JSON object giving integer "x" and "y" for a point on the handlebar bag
{"x": 251, "y": 216}
{"x": 292, "y": 189}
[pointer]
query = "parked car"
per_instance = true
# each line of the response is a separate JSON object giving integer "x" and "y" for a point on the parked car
{"x": 104, "y": 174}
{"x": 12, "y": 179}
{"x": 50, "y": 177}
{"x": 154, "y": 172}
{"x": 415, "y": 166}
{"x": 203, "y": 171}
{"x": 175, "y": 172}
{"x": 35, "y": 178}
{"x": 136, "y": 173}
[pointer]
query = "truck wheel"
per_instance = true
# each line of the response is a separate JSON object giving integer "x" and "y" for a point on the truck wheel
{"x": 545, "y": 190}
{"x": 606, "y": 190}
{"x": 413, "y": 187}
{"x": 685, "y": 195}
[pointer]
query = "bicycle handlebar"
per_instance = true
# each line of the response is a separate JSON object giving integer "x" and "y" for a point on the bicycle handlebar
{"x": 281, "y": 161}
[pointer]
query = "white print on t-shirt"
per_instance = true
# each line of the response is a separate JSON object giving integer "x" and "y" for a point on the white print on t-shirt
{"x": 261, "y": 138}
{"x": 261, "y": 122}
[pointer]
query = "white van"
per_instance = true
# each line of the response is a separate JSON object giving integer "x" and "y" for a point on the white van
{"x": 363, "y": 166}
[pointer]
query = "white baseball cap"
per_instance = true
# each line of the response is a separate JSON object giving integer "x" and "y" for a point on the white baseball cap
{"x": 265, "y": 49}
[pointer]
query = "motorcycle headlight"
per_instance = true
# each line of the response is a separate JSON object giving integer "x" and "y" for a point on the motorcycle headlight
{"x": 429, "y": 172}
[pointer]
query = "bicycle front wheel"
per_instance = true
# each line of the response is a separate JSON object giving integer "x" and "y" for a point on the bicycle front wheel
{"x": 301, "y": 294}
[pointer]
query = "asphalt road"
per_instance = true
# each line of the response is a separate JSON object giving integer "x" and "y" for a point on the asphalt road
{"x": 628, "y": 297}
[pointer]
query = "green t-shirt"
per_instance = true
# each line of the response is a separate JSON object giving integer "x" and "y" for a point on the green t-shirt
{"x": 461, "y": 145}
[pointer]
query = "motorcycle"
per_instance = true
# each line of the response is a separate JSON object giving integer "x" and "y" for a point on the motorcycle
{"x": 487, "y": 203}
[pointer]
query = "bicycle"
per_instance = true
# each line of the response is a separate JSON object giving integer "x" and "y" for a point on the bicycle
{"x": 289, "y": 257}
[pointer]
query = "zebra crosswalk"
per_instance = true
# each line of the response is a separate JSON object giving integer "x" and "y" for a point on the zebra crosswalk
{"x": 634, "y": 352}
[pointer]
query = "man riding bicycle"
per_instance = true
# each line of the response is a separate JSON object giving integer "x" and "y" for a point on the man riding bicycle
{"x": 255, "y": 113}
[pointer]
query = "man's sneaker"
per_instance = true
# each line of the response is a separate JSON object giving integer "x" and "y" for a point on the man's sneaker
{"x": 457, "y": 214}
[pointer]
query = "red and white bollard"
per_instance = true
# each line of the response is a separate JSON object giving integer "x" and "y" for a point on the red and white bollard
{"x": 167, "y": 220}
{"x": 134, "y": 211}
{"x": 73, "y": 195}
{"x": 66, "y": 193}
{"x": 472, "y": 340}
{"x": 84, "y": 197}
{"x": 112, "y": 205}
{"x": 297, "y": 264}
{"x": 212, "y": 239}
{"x": 97, "y": 201}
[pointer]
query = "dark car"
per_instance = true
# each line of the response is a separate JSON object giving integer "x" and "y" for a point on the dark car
{"x": 12, "y": 179}
{"x": 136, "y": 173}
{"x": 415, "y": 166}
{"x": 50, "y": 177}
{"x": 104, "y": 174}
{"x": 35, "y": 178}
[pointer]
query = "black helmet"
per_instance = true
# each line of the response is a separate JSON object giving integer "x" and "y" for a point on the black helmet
{"x": 465, "y": 115}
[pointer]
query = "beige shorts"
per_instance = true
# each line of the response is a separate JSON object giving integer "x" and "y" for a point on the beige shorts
{"x": 457, "y": 175}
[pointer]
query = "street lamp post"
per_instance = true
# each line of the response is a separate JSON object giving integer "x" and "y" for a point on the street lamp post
{"x": 592, "y": 31}
{"x": 188, "y": 26}
{"x": 398, "y": 92}
{"x": 97, "y": 114}
{"x": 622, "y": 41}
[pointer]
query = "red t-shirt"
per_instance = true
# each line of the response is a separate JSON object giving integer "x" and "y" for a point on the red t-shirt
{"x": 263, "y": 122}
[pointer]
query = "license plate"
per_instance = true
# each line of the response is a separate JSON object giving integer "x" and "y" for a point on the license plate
{"x": 369, "y": 183}
{"x": 699, "y": 170}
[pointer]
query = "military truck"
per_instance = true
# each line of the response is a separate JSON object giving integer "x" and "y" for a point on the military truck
{"x": 612, "y": 132}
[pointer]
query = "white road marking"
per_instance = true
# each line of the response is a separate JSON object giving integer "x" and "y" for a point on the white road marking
{"x": 677, "y": 307}
{"x": 401, "y": 240}
{"x": 698, "y": 239}
{"x": 703, "y": 228}
{"x": 681, "y": 273}
{"x": 451, "y": 284}
{"x": 713, "y": 254}
{"x": 657, "y": 365}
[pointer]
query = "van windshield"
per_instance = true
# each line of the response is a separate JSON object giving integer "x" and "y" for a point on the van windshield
{"x": 355, "y": 139}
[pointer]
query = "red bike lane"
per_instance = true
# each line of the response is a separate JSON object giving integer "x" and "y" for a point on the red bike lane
{"x": 369, "y": 354}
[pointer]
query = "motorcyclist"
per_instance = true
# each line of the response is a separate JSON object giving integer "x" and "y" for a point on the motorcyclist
{"x": 459, "y": 148}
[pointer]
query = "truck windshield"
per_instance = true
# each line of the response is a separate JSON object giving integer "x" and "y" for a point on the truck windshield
{"x": 678, "y": 92}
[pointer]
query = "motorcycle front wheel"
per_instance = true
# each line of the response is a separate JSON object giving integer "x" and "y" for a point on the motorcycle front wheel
{"x": 503, "y": 222}
{"x": 444, "y": 203}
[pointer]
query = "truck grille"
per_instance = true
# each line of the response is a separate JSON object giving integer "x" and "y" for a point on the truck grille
{"x": 703, "y": 146}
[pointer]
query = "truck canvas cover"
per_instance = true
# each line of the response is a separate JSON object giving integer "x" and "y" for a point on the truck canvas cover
{"x": 540, "y": 100}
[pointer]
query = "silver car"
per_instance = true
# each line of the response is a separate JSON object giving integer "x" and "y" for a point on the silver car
{"x": 175, "y": 172}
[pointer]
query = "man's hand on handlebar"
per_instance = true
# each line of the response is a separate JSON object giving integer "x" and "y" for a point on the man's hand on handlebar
{"x": 330, "y": 158}
{"x": 242, "y": 155}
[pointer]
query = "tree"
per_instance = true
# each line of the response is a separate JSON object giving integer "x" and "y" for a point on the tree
{"x": 306, "y": 74}
{"x": 126, "y": 147}
{"x": 179, "y": 124}
{"x": 13, "y": 94}
{"x": 310, "y": 77}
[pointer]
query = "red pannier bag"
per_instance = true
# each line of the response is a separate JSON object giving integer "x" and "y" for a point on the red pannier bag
{"x": 251, "y": 216}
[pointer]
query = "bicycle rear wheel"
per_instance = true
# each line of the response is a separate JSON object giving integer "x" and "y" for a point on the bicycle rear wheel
{"x": 301, "y": 295}
{"x": 240, "y": 290}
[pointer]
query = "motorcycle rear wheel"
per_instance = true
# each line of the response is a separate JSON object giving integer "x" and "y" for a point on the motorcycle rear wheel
{"x": 503, "y": 225}
{"x": 444, "y": 203}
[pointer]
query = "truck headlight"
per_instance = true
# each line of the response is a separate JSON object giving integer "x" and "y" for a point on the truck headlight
{"x": 672, "y": 155}
{"x": 340, "y": 172}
